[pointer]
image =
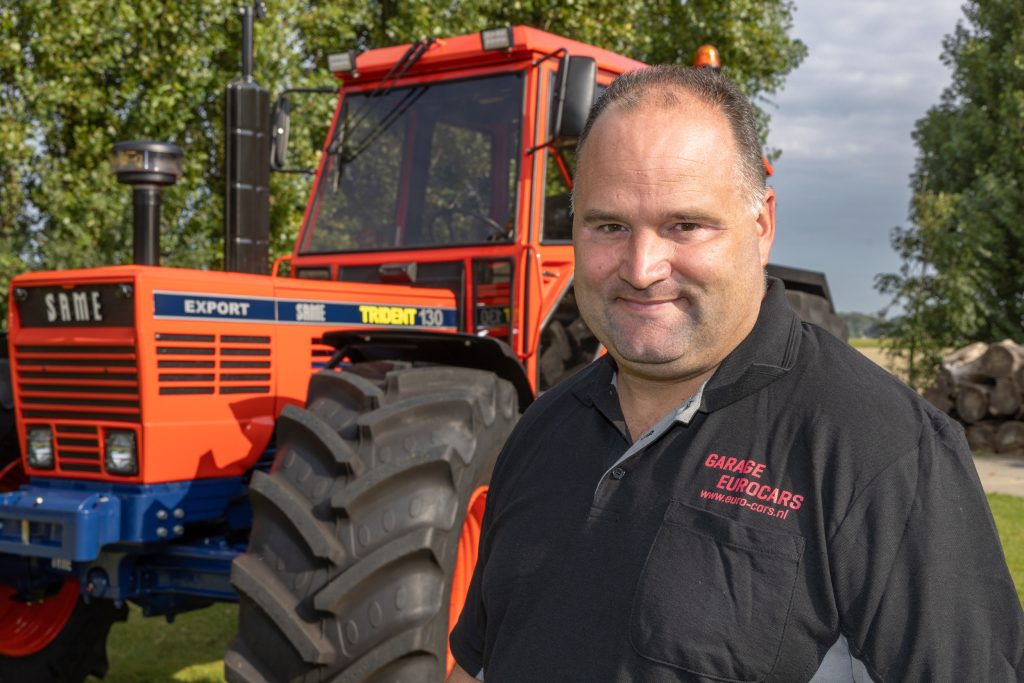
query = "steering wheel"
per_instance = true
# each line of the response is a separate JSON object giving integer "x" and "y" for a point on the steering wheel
{"x": 493, "y": 230}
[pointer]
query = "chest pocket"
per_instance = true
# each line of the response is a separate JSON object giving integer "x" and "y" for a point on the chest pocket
{"x": 714, "y": 596}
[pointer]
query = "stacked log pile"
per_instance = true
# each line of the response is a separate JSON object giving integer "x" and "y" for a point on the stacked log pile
{"x": 982, "y": 385}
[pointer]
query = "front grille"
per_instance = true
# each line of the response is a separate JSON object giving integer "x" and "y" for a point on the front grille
{"x": 79, "y": 382}
{"x": 206, "y": 364}
{"x": 59, "y": 386}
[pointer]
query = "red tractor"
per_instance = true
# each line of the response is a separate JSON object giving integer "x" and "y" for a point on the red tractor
{"x": 316, "y": 446}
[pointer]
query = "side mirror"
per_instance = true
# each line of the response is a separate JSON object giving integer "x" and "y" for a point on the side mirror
{"x": 280, "y": 123}
{"x": 574, "y": 95}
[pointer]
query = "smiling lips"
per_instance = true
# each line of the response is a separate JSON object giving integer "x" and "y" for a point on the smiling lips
{"x": 647, "y": 305}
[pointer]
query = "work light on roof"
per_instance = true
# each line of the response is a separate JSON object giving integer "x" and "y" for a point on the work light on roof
{"x": 496, "y": 38}
{"x": 342, "y": 62}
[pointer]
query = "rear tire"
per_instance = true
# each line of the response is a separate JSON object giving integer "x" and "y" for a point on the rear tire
{"x": 356, "y": 528}
{"x": 817, "y": 310}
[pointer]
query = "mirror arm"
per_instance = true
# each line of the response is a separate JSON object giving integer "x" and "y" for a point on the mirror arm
{"x": 551, "y": 55}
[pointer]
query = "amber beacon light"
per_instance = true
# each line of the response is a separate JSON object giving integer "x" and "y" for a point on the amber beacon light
{"x": 707, "y": 56}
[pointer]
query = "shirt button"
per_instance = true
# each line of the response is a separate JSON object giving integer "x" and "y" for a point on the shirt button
{"x": 618, "y": 473}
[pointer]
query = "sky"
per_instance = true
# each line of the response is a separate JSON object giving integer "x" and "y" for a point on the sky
{"x": 843, "y": 123}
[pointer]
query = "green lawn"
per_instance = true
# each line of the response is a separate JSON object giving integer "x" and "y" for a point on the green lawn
{"x": 147, "y": 650}
{"x": 1009, "y": 514}
{"x": 190, "y": 650}
{"x": 865, "y": 342}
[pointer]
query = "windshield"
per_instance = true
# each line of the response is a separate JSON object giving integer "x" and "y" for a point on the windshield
{"x": 432, "y": 164}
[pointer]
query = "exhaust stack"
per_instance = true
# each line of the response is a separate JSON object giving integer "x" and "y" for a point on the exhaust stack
{"x": 147, "y": 166}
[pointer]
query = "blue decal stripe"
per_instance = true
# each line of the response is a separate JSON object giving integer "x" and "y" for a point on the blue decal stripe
{"x": 181, "y": 306}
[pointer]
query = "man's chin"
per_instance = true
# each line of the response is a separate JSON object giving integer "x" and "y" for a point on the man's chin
{"x": 655, "y": 363}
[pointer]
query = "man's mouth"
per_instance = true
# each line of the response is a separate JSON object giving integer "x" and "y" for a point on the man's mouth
{"x": 652, "y": 305}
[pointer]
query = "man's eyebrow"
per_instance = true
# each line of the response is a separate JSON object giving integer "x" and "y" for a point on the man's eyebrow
{"x": 695, "y": 217}
{"x": 593, "y": 215}
{"x": 603, "y": 215}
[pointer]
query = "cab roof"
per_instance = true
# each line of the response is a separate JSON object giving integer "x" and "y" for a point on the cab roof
{"x": 467, "y": 51}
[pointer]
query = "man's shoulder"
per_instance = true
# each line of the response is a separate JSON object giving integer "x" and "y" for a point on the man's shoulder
{"x": 840, "y": 381}
{"x": 572, "y": 392}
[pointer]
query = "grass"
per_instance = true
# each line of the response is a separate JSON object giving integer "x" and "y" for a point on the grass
{"x": 1009, "y": 514}
{"x": 147, "y": 650}
{"x": 865, "y": 342}
{"x": 190, "y": 650}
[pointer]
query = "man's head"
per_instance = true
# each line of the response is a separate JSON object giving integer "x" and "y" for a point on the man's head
{"x": 672, "y": 221}
{"x": 665, "y": 86}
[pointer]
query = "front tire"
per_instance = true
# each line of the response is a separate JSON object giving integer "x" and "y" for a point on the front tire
{"x": 356, "y": 528}
{"x": 59, "y": 639}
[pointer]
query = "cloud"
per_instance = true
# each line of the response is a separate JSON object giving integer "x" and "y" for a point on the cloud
{"x": 843, "y": 124}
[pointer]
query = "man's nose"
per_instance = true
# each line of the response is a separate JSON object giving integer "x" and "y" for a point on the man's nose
{"x": 646, "y": 260}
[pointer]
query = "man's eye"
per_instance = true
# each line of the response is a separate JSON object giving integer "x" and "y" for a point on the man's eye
{"x": 611, "y": 227}
{"x": 686, "y": 227}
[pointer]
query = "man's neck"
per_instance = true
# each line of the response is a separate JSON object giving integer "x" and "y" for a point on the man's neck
{"x": 644, "y": 401}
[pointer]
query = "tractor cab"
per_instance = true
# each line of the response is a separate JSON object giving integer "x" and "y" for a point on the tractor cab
{"x": 448, "y": 166}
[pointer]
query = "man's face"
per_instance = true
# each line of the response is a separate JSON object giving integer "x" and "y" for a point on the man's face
{"x": 669, "y": 257}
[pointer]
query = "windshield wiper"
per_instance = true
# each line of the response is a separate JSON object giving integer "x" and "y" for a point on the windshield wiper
{"x": 398, "y": 70}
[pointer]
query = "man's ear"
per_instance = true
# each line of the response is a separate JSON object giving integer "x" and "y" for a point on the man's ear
{"x": 766, "y": 225}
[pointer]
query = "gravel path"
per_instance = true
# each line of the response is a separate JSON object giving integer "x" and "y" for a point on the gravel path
{"x": 1001, "y": 474}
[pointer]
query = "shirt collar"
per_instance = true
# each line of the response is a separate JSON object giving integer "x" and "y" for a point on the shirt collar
{"x": 767, "y": 353}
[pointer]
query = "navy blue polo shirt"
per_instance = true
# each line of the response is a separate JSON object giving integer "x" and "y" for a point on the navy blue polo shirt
{"x": 808, "y": 508}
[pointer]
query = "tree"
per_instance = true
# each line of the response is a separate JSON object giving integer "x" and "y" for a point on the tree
{"x": 78, "y": 76}
{"x": 961, "y": 278}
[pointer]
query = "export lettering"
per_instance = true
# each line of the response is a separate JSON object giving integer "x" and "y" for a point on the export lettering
{"x": 238, "y": 309}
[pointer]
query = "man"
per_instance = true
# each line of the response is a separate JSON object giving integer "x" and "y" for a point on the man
{"x": 729, "y": 494}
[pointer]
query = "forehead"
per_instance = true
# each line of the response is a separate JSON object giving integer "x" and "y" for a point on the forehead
{"x": 688, "y": 137}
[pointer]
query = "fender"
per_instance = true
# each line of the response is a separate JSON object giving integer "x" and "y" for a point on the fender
{"x": 443, "y": 348}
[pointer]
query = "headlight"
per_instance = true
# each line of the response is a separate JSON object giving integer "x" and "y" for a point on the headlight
{"x": 122, "y": 457}
{"x": 40, "y": 448}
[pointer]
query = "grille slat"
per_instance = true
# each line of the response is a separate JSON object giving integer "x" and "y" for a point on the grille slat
{"x": 36, "y": 389}
{"x": 80, "y": 362}
{"x": 76, "y": 429}
{"x": 76, "y": 443}
{"x": 79, "y": 467}
{"x": 84, "y": 350}
{"x": 109, "y": 378}
{"x": 67, "y": 454}
{"x": 70, "y": 402}
{"x": 245, "y": 390}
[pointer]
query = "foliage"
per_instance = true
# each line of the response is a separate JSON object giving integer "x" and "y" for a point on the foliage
{"x": 861, "y": 325}
{"x": 960, "y": 279}
{"x": 77, "y": 76}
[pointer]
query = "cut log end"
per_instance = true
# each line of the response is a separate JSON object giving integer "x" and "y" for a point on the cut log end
{"x": 972, "y": 402}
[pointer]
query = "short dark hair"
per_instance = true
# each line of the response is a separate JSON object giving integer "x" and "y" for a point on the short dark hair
{"x": 662, "y": 85}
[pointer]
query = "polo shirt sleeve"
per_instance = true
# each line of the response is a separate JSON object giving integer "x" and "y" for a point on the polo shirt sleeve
{"x": 920, "y": 580}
